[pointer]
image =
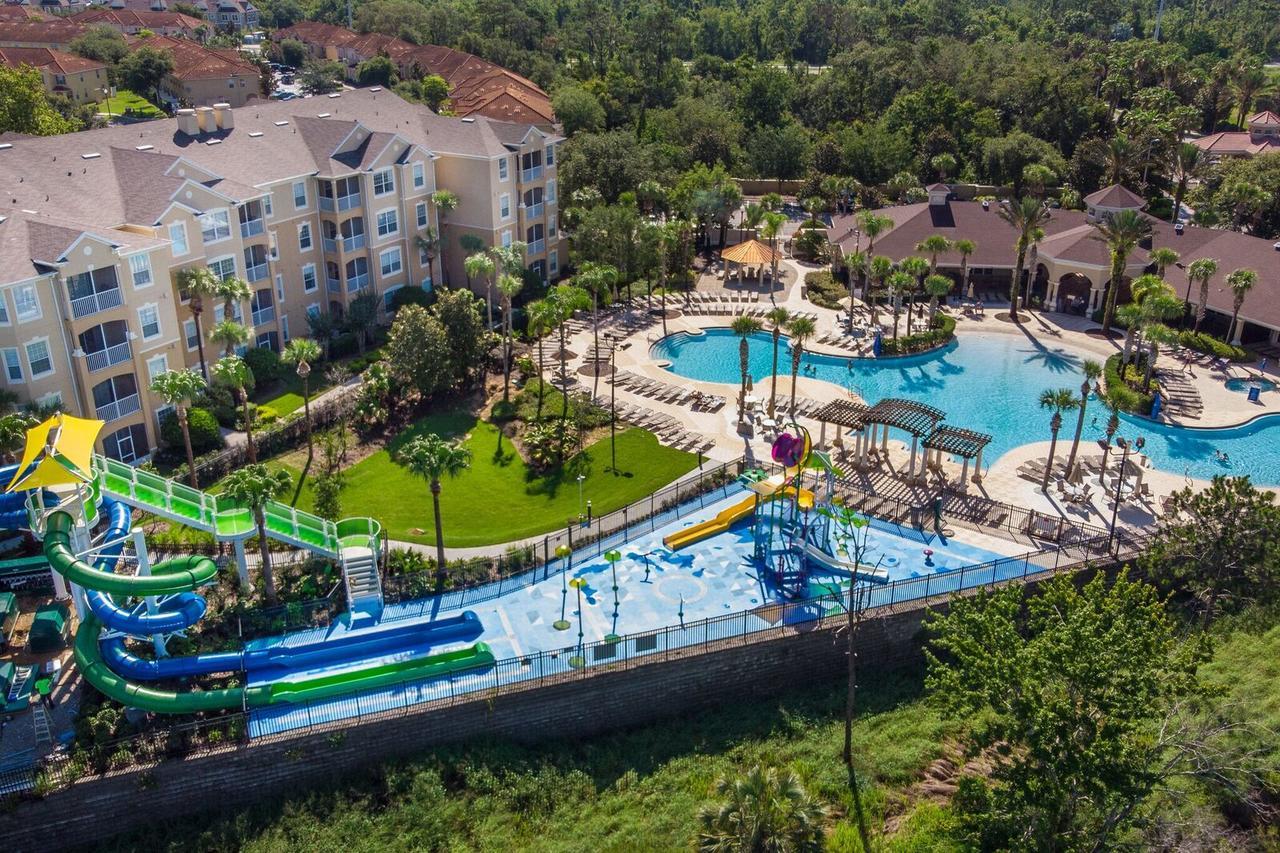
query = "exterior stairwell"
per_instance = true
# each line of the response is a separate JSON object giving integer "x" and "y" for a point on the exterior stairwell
{"x": 364, "y": 587}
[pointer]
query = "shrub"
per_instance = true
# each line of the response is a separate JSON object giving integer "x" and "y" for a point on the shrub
{"x": 944, "y": 329}
{"x": 824, "y": 290}
{"x": 203, "y": 427}
{"x": 810, "y": 244}
{"x": 412, "y": 296}
{"x": 219, "y": 401}
{"x": 582, "y": 411}
{"x": 1120, "y": 393}
{"x": 265, "y": 365}
{"x": 1216, "y": 347}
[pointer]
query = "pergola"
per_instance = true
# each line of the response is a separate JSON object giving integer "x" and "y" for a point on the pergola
{"x": 844, "y": 414}
{"x": 958, "y": 442}
{"x": 750, "y": 253}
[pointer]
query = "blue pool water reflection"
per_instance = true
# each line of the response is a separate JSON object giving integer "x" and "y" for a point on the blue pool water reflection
{"x": 991, "y": 384}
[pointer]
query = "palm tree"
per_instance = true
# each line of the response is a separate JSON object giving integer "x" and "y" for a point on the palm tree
{"x": 1201, "y": 270}
{"x": 1092, "y": 370}
{"x": 481, "y": 266}
{"x": 777, "y": 319}
{"x": 873, "y": 225}
{"x": 567, "y": 299}
{"x": 766, "y": 810}
{"x": 198, "y": 282}
{"x": 898, "y": 284}
{"x": 752, "y": 216}
{"x": 800, "y": 329}
{"x": 445, "y": 201}
{"x": 508, "y": 286}
{"x": 1249, "y": 81}
{"x": 937, "y": 286}
{"x": 229, "y": 334}
{"x": 231, "y": 371}
{"x": 1120, "y": 155}
{"x": 1038, "y": 177}
{"x": 599, "y": 280}
{"x": 428, "y": 242}
{"x": 432, "y": 458}
{"x": 1027, "y": 217}
{"x": 1158, "y": 333}
{"x": 965, "y": 248}
{"x": 1121, "y": 232}
{"x": 233, "y": 291}
{"x": 544, "y": 315}
{"x": 1132, "y": 314}
{"x": 856, "y": 265}
{"x": 1187, "y": 162}
{"x": 918, "y": 269}
{"x": 180, "y": 388}
{"x": 880, "y": 270}
{"x": 13, "y": 434}
{"x": 744, "y": 327}
{"x": 933, "y": 245}
{"x": 1059, "y": 400}
{"x": 771, "y": 230}
{"x": 252, "y": 487}
{"x": 1240, "y": 281}
{"x": 302, "y": 353}
{"x": 1163, "y": 258}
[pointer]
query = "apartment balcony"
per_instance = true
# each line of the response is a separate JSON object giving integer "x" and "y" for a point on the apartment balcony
{"x": 103, "y": 300}
{"x": 109, "y": 357}
{"x": 536, "y": 248}
{"x": 120, "y": 408}
{"x": 257, "y": 272}
{"x": 330, "y": 245}
{"x": 326, "y": 203}
{"x": 264, "y": 315}
{"x": 252, "y": 228}
{"x": 348, "y": 202}
{"x": 357, "y": 282}
{"x": 527, "y": 175}
{"x": 533, "y": 211}
{"x": 351, "y": 244}
{"x": 334, "y": 284}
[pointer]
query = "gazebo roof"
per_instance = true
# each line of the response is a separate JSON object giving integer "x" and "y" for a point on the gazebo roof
{"x": 843, "y": 413}
{"x": 956, "y": 440}
{"x": 751, "y": 253}
{"x": 919, "y": 419}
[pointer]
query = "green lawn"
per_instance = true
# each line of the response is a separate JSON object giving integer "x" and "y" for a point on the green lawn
{"x": 498, "y": 499}
{"x": 126, "y": 100}
{"x": 285, "y": 394}
{"x": 286, "y": 403}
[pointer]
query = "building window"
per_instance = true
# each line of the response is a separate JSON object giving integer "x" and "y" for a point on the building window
{"x": 284, "y": 327}
{"x": 4, "y": 310}
{"x": 189, "y": 332}
{"x": 128, "y": 444}
{"x": 390, "y": 262}
{"x": 551, "y": 155}
{"x": 27, "y": 302}
{"x": 178, "y": 237}
{"x": 12, "y": 365}
{"x": 504, "y": 206}
{"x": 267, "y": 210}
{"x": 419, "y": 176}
{"x": 384, "y": 182}
{"x": 553, "y": 262}
{"x": 140, "y": 266}
{"x": 38, "y": 358}
{"x": 503, "y": 169}
{"x": 388, "y": 223}
{"x": 304, "y": 237}
{"x": 215, "y": 225}
{"x": 424, "y": 258}
{"x": 309, "y": 278}
{"x": 420, "y": 209}
{"x": 223, "y": 268}
{"x": 551, "y": 227}
{"x": 551, "y": 191}
{"x": 506, "y": 239}
{"x": 156, "y": 366}
{"x": 299, "y": 195}
{"x": 149, "y": 320}
{"x": 313, "y": 310}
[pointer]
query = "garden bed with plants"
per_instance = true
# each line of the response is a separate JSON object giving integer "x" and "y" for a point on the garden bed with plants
{"x": 1124, "y": 385}
{"x": 942, "y": 333}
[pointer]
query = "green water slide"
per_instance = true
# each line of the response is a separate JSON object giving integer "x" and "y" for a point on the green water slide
{"x": 180, "y": 574}
{"x": 383, "y": 675}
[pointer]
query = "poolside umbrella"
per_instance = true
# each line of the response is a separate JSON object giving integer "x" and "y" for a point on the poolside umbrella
{"x": 564, "y": 355}
{"x": 1076, "y": 475}
{"x": 58, "y": 452}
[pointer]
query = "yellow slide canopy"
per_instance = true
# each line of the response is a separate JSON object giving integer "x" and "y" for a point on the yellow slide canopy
{"x": 58, "y": 452}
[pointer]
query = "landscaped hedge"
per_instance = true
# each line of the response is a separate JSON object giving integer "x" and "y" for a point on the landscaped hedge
{"x": 203, "y": 426}
{"x": 1119, "y": 392}
{"x": 944, "y": 329}
{"x": 823, "y": 290}
{"x": 1209, "y": 345}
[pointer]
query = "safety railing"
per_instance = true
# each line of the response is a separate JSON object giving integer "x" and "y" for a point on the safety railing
{"x": 117, "y": 409}
{"x": 108, "y": 357}
{"x": 102, "y": 300}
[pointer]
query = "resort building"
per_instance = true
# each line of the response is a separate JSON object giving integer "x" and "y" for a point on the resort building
{"x": 476, "y": 87}
{"x": 312, "y": 202}
{"x": 1070, "y": 268}
{"x": 133, "y": 21}
{"x": 1263, "y": 137}
{"x": 222, "y": 14}
{"x": 82, "y": 80}
{"x": 203, "y": 76}
{"x": 39, "y": 33}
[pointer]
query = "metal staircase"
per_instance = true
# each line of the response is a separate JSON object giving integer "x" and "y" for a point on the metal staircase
{"x": 363, "y": 585}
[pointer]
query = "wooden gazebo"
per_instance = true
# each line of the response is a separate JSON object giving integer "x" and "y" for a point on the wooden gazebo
{"x": 959, "y": 442}
{"x": 750, "y": 253}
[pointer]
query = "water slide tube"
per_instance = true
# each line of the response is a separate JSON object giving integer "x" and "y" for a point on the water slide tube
{"x": 13, "y": 507}
{"x": 727, "y": 517}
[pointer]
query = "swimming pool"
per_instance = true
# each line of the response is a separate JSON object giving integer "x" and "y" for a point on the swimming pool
{"x": 1242, "y": 384}
{"x": 991, "y": 384}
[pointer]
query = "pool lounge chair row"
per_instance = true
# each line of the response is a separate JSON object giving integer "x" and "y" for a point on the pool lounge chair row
{"x": 668, "y": 430}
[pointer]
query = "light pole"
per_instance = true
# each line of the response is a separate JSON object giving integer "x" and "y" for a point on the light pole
{"x": 1115, "y": 507}
{"x": 613, "y": 406}
{"x": 581, "y": 477}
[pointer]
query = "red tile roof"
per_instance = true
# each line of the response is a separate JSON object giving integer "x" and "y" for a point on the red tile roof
{"x": 192, "y": 61}
{"x": 21, "y": 13}
{"x": 39, "y": 32}
{"x": 1237, "y": 143}
{"x": 1114, "y": 196}
{"x": 42, "y": 57}
{"x": 143, "y": 18}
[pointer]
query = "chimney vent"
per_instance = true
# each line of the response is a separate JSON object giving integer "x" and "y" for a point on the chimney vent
{"x": 187, "y": 122}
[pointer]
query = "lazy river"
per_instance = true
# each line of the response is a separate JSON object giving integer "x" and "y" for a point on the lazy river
{"x": 990, "y": 384}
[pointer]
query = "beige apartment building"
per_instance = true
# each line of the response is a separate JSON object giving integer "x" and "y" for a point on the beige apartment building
{"x": 312, "y": 201}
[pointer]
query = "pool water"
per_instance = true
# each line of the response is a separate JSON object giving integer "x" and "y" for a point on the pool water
{"x": 1242, "y": 384}
{"x": 989, "y": 384}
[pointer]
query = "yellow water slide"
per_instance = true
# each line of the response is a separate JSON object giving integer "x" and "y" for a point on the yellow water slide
{"x": 726, "y": 518}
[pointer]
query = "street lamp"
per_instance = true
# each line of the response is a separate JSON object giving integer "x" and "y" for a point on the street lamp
{"x": 1115, "y": 507}
{"x": 581, "y": 477}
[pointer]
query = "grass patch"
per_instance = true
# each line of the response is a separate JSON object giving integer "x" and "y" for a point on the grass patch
{"x": 499, "y": 499}
{"x": 285, "y": 404}
{"x": 125, "y": 102}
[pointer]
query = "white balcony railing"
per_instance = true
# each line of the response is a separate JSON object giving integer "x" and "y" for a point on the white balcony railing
{"x": 264, "y": 315}
{"x": 334, "y": 285}
{"x": 535, "y": 248}
{"x": 105, "y": 358}
{"x": 120, "y": 408}
{"x": 533, "y": 211}
{"x": 330, "y": 245}
{"x": 350, "y": 244}
{"x": 95, "y": 302}
{"x": 326, "y": 203}
{"x": 533, "y": 174}
{"x": 356, "y": 282}
{"x": 257, "y": 272}
{"x": 346, "y": 202}
{"x": 252, "y": 228}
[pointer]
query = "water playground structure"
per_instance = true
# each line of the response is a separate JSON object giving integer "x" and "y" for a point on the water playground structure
{"x": 80, "y": 506}
{"x": 794, "y": 531}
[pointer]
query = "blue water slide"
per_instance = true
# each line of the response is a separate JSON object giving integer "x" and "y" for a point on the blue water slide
{"x": 175, "y": 613}
{"x": 130, "y": 665}
{"x": 13, "y": 506}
